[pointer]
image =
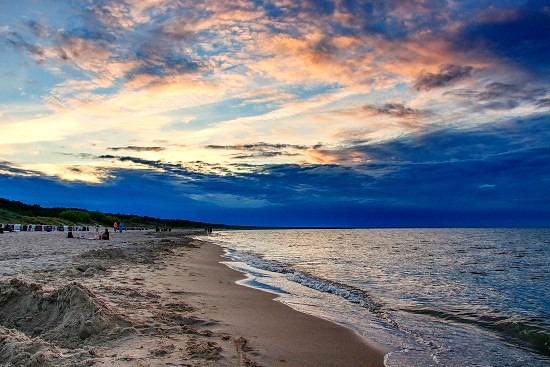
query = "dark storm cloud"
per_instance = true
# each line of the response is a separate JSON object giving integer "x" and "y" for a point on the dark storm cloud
{"x": 262, "y": 150}
{"x": 81, "y": 44}
{"x": 499, "y": 90}
{"x": 159, "y": 52}
{"x": 188, "y": 170}
{"x": 264, "y": 155}
{"x": 448, "y": 75}
{"x": 111, "y": 16}
{"x": 158, "y": 61}
{"x": 502, "y": 96}
{"x": 175, "y": 31}
{"x": 157, "y": 164}
{"x": 257, "y": 146}
{"x": 275, "y": 183}
{"x": 382, "y": 19}
{"x": 137, "y": 148}
{"x": 79, "y": 155}
{"x": 11, "y": 168}
{"x": 145, "y": 162}
{"x": 518, "y": 36}
{"x": 323, "y": 7}
{"x": 393, "y": 109}
{"x": 462, "y": 145}
{"x": 447, "y": 168}
{"x": 385, "y": 18}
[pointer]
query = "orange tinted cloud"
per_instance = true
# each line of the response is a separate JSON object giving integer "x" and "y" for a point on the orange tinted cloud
{"x": 321, "y": 157}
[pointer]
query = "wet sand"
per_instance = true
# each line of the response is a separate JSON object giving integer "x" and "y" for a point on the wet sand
{"x": 279, "y": 334}
{"x": 154, "y": 300}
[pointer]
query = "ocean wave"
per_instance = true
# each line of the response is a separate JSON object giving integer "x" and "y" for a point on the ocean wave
{"x": 390, "y": 271}
{"x": 524, "y": 333}
{"x": 348, "y": 292}
{"x": 257, "y": 261}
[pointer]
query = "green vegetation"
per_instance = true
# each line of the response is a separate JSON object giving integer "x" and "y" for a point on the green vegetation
{"x": 18, "y": 212}
{"x": 10, "y": 217}
{"x": 76, "y": 216}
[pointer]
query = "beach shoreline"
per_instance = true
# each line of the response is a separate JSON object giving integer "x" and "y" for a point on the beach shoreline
{"x": 159, "y": 299}
{"x": 283, "y": 334}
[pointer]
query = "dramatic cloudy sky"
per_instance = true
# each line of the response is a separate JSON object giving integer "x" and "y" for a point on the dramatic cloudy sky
{"x": 282, "y": 112}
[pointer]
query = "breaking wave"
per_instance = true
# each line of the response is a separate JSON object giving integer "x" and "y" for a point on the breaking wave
{"x": 522, "y": 332}
{"x": 350, "y": 293}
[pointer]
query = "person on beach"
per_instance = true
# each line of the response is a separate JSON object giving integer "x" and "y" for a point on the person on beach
{"x": 105, "y": 235}
{"x": 115, "y": 226}
{"x": 120, "y": 227}
{"x": 70, "y": 234}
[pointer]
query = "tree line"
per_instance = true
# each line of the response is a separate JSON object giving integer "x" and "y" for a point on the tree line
{"x": 83, "y": 216}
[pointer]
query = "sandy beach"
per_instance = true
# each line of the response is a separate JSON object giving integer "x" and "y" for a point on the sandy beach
{"x": 151, "y": 299}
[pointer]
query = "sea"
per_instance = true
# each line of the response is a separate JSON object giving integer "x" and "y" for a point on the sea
{"x": 431, "y": 297}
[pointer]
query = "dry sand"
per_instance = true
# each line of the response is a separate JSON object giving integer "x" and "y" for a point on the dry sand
{"x": 151, "y": 300}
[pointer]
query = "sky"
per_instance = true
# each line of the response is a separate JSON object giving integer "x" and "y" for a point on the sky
{"x": 280, "y": 113}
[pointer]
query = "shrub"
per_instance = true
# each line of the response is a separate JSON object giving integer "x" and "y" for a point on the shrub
{"x": 75, "y": 216}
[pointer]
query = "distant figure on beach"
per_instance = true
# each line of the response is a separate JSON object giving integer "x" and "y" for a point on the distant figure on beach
{"x": 120, "y": 227}
{"x": 70, "y": 234}
{"x": 105, "y": 235}
{"x": 157, "y": 229}
{"x": 115, "y": 226}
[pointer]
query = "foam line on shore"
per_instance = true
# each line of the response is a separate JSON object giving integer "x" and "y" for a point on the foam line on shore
{"x": 307, "y": 338}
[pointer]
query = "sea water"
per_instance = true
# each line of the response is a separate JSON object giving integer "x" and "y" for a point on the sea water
{"x": 433, "y": 297}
